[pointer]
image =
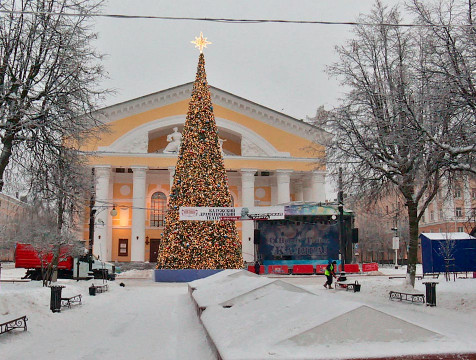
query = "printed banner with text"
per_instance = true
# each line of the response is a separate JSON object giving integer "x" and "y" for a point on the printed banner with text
{"x": 231, "y": 213}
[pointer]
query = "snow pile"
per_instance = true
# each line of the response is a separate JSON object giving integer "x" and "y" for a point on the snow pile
{"x": 213, "y": 278}
{"x": 226, "y": 287}
{"x": 281, "y": 320}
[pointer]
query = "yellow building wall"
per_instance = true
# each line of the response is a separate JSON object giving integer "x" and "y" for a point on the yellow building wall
{"x": 280, "y": 139}
{"x": 267, "y": 193}
{"x": 232, "y": 146}
{"x": 157, "y": 144}
{"x": 120, "y": 234}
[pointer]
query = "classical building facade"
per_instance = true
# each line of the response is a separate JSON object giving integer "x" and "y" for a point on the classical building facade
{"x": 271, "y": 158}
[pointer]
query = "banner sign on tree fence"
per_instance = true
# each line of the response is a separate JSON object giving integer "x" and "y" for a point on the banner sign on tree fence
{"x": 231, "y": 213}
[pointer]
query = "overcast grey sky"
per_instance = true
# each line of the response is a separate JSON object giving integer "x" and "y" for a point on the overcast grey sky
{"x": 280, "y": 66}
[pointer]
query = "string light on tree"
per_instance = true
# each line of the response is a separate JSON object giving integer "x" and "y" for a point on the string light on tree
{"x": 200, "y": 181}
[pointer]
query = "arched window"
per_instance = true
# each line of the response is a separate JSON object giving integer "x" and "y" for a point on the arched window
{"x": 232, "y": 204}
{"x": 158, "y": 204}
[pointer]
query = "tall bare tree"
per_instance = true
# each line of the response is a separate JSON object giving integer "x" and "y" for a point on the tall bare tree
{"x": 378, "y": 127}
{"x": 49, "y": 74}
{"x": 450, "y": 48}
{"x": 59, "y": 180}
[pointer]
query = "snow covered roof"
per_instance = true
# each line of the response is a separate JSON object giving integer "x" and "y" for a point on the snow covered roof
{"x": 448, "y": 236}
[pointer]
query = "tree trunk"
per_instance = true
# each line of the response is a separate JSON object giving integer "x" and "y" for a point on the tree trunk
{"x": 413, "y": 241}
{"x": 5, "y": 155}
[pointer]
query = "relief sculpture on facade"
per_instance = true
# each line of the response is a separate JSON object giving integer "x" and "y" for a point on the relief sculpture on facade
{"x": 249, "y": 148}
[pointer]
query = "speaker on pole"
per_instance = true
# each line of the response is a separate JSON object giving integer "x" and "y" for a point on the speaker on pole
{"x": 257, "y": 234}
{"x": 355, "y": 235}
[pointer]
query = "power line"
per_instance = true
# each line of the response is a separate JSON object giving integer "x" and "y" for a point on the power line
{"x": 235, "y": 21}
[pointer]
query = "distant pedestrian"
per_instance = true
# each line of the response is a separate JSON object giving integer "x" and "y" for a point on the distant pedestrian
{"x": 330, "y": 272}
{"x": 257, "y": 267}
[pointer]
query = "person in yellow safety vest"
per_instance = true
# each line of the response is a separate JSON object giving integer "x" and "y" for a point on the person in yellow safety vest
{"x": 330, "y": 272}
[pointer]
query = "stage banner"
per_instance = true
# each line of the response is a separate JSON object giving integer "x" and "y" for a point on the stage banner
{"x": 231, "y": 213}
{"x": 290, "y": 240}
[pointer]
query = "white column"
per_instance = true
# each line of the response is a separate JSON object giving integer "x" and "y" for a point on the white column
{"x": 307, "y": 188}
{"x": 247, "y": 200}
{"x": 102, "y": 217}
{"x": 138, "y": 213}
{"x": 318, "y": 185}
{"x": 283, "y": 180}
{"x": 274, "y": 193}
{"x": 171, "y": 175}
{"x": 298, "y": 189}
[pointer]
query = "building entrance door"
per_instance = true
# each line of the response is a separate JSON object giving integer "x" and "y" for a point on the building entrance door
{"x": 154, "y": 250}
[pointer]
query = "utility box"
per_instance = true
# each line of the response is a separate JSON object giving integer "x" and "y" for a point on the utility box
{"x": 448, "y": 252}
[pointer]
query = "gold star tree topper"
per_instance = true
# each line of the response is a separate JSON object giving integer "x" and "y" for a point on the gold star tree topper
{"x": 200, "y": 42}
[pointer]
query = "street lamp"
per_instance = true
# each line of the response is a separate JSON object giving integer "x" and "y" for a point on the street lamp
{"x": 396, "y": 245}
{"x": 340, "y": 205}
{"x": 92, "y": 221}
{"x": 113, "y": 211}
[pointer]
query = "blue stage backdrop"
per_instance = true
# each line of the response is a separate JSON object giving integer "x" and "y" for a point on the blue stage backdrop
{"x": 289, "y": 240}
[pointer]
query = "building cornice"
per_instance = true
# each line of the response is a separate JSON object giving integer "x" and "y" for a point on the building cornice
{"x": 161, "y": 155}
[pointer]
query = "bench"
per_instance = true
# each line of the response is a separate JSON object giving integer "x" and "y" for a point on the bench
{"x": 68, "y": 301}
{"x": 407, "y": 296}
{"x": 433, "y": 275}
{"x": 14, "y": 324}
{"x": 101, "y": 288}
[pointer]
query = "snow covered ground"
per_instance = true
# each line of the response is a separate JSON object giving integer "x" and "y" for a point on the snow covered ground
{"x": 146, "y": 320}
{"x": 143, "y": 320}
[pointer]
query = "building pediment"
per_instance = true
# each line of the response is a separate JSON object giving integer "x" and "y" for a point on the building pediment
{"x": 219, "y": 97}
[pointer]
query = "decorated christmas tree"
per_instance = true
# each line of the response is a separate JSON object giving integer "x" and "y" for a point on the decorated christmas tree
{"x": 200, "y": 181}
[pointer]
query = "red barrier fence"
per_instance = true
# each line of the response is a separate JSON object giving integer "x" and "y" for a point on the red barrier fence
{"x": 303, "y": 269}
{"x": 278, "y": 269}
{"x": 251, "y": 268}
{"x": 320, "y": 268}
{"x": 369, "y": 267}
{"x": 351, "y": 268}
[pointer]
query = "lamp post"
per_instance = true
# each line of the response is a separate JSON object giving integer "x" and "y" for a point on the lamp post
{"x": 396, "y": 245}
{"x": 340, "y": 200}
{"x": 92, "y": 214}
{"x": 92, "y": 222}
